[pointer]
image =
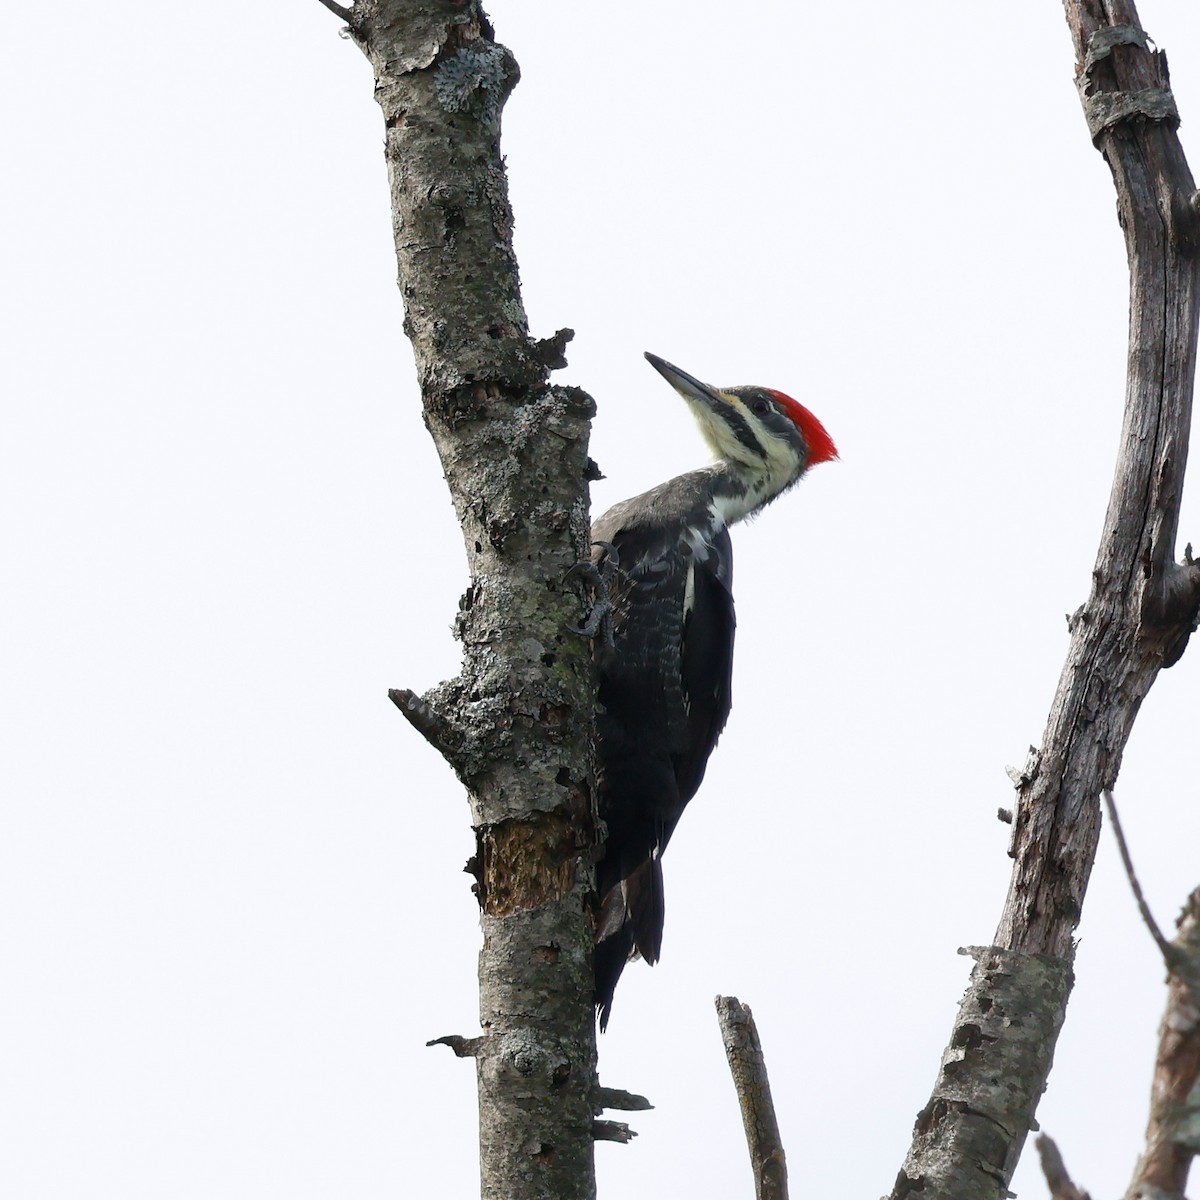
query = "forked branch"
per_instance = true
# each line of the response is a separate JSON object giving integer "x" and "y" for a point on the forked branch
{"x": 1173, "y": 1130}
{"x": 1141, "y": 609}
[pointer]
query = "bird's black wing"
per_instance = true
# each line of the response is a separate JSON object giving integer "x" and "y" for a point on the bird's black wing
{"x": 706, "y": 665}
{"x": 643, "y": 719}
{"x": 664, "y": 696}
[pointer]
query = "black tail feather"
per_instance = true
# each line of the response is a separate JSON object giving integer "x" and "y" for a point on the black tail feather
{"x": 630, "y": 926}
{"x": 611, "y": 956}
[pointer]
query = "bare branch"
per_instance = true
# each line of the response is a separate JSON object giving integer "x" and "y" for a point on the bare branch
{"x": 612, "y": 1131}
{"x": 1137, "y": 619}
{"x": 462, "y": 1047}
{"x": 622, "y": 1101}
{"x": 427, "y": 721}
{"x": 339, "y": 11}
{"x": 749, "y": 1070}
{"x": 1168, "y": 951}
{"x": 1182, "y": 960}
{"x": 1053, "y": 1167}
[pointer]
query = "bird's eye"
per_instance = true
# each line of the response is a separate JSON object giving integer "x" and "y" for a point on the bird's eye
{"x": 760, "y": 407}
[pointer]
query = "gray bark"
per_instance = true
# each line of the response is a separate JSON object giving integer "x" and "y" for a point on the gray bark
{"x": 1137, "y": 619}
{"x": 516, "y": 724}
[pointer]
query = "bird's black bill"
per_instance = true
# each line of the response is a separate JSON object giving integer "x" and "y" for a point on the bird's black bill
{"x": 687, "y": 385}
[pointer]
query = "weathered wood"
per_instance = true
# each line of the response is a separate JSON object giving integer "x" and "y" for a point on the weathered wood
{"x": 516, "y": 724}
{"x": 1141, "y": 609}
{"x": 749, "y": 1070}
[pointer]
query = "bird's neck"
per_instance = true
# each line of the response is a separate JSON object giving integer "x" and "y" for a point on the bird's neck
{"x": 739, "y": 491}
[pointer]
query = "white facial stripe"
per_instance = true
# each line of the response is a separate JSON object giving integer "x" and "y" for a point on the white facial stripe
{"x": 723, "y": 442}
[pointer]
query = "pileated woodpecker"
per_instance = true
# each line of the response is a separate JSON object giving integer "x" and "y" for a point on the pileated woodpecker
{"x": 667, "y": 564}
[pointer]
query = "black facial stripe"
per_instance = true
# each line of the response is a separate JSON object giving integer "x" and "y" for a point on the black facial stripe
{"x": 742, "y": 431}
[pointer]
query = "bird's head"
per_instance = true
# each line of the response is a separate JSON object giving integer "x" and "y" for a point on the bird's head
{"x": 767, "y": 439}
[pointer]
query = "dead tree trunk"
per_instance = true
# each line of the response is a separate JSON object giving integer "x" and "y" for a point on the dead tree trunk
{"x": 1136, "y": 621}
{"x": 516, "y": 725}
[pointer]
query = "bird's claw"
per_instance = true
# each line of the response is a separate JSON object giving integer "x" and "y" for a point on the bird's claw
{"x": 599, "y": 575}
{"x": 599, "y": 621}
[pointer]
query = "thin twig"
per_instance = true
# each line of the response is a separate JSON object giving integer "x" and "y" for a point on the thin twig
{"x": 1059, "y": 1182}
{"x": 749, "y": 1070}
{"x": 1170, "y": 1146}
{"x": 339, "y": 11}
{"x": 1169, "y": 953}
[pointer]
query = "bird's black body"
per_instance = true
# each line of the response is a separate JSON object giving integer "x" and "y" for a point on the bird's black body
{"x": 664, "y": 696}
{"x": 665, "y": 679}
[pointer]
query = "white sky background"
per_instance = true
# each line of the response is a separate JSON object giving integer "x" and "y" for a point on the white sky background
{"x": 231, "y": 901}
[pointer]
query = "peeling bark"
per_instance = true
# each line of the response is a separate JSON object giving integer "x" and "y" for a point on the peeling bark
{"x": 1136, "y": 621}
{"x": 516, "y": 725}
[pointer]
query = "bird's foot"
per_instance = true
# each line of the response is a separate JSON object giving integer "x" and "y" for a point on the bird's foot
{"x": 599, "y": 575}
